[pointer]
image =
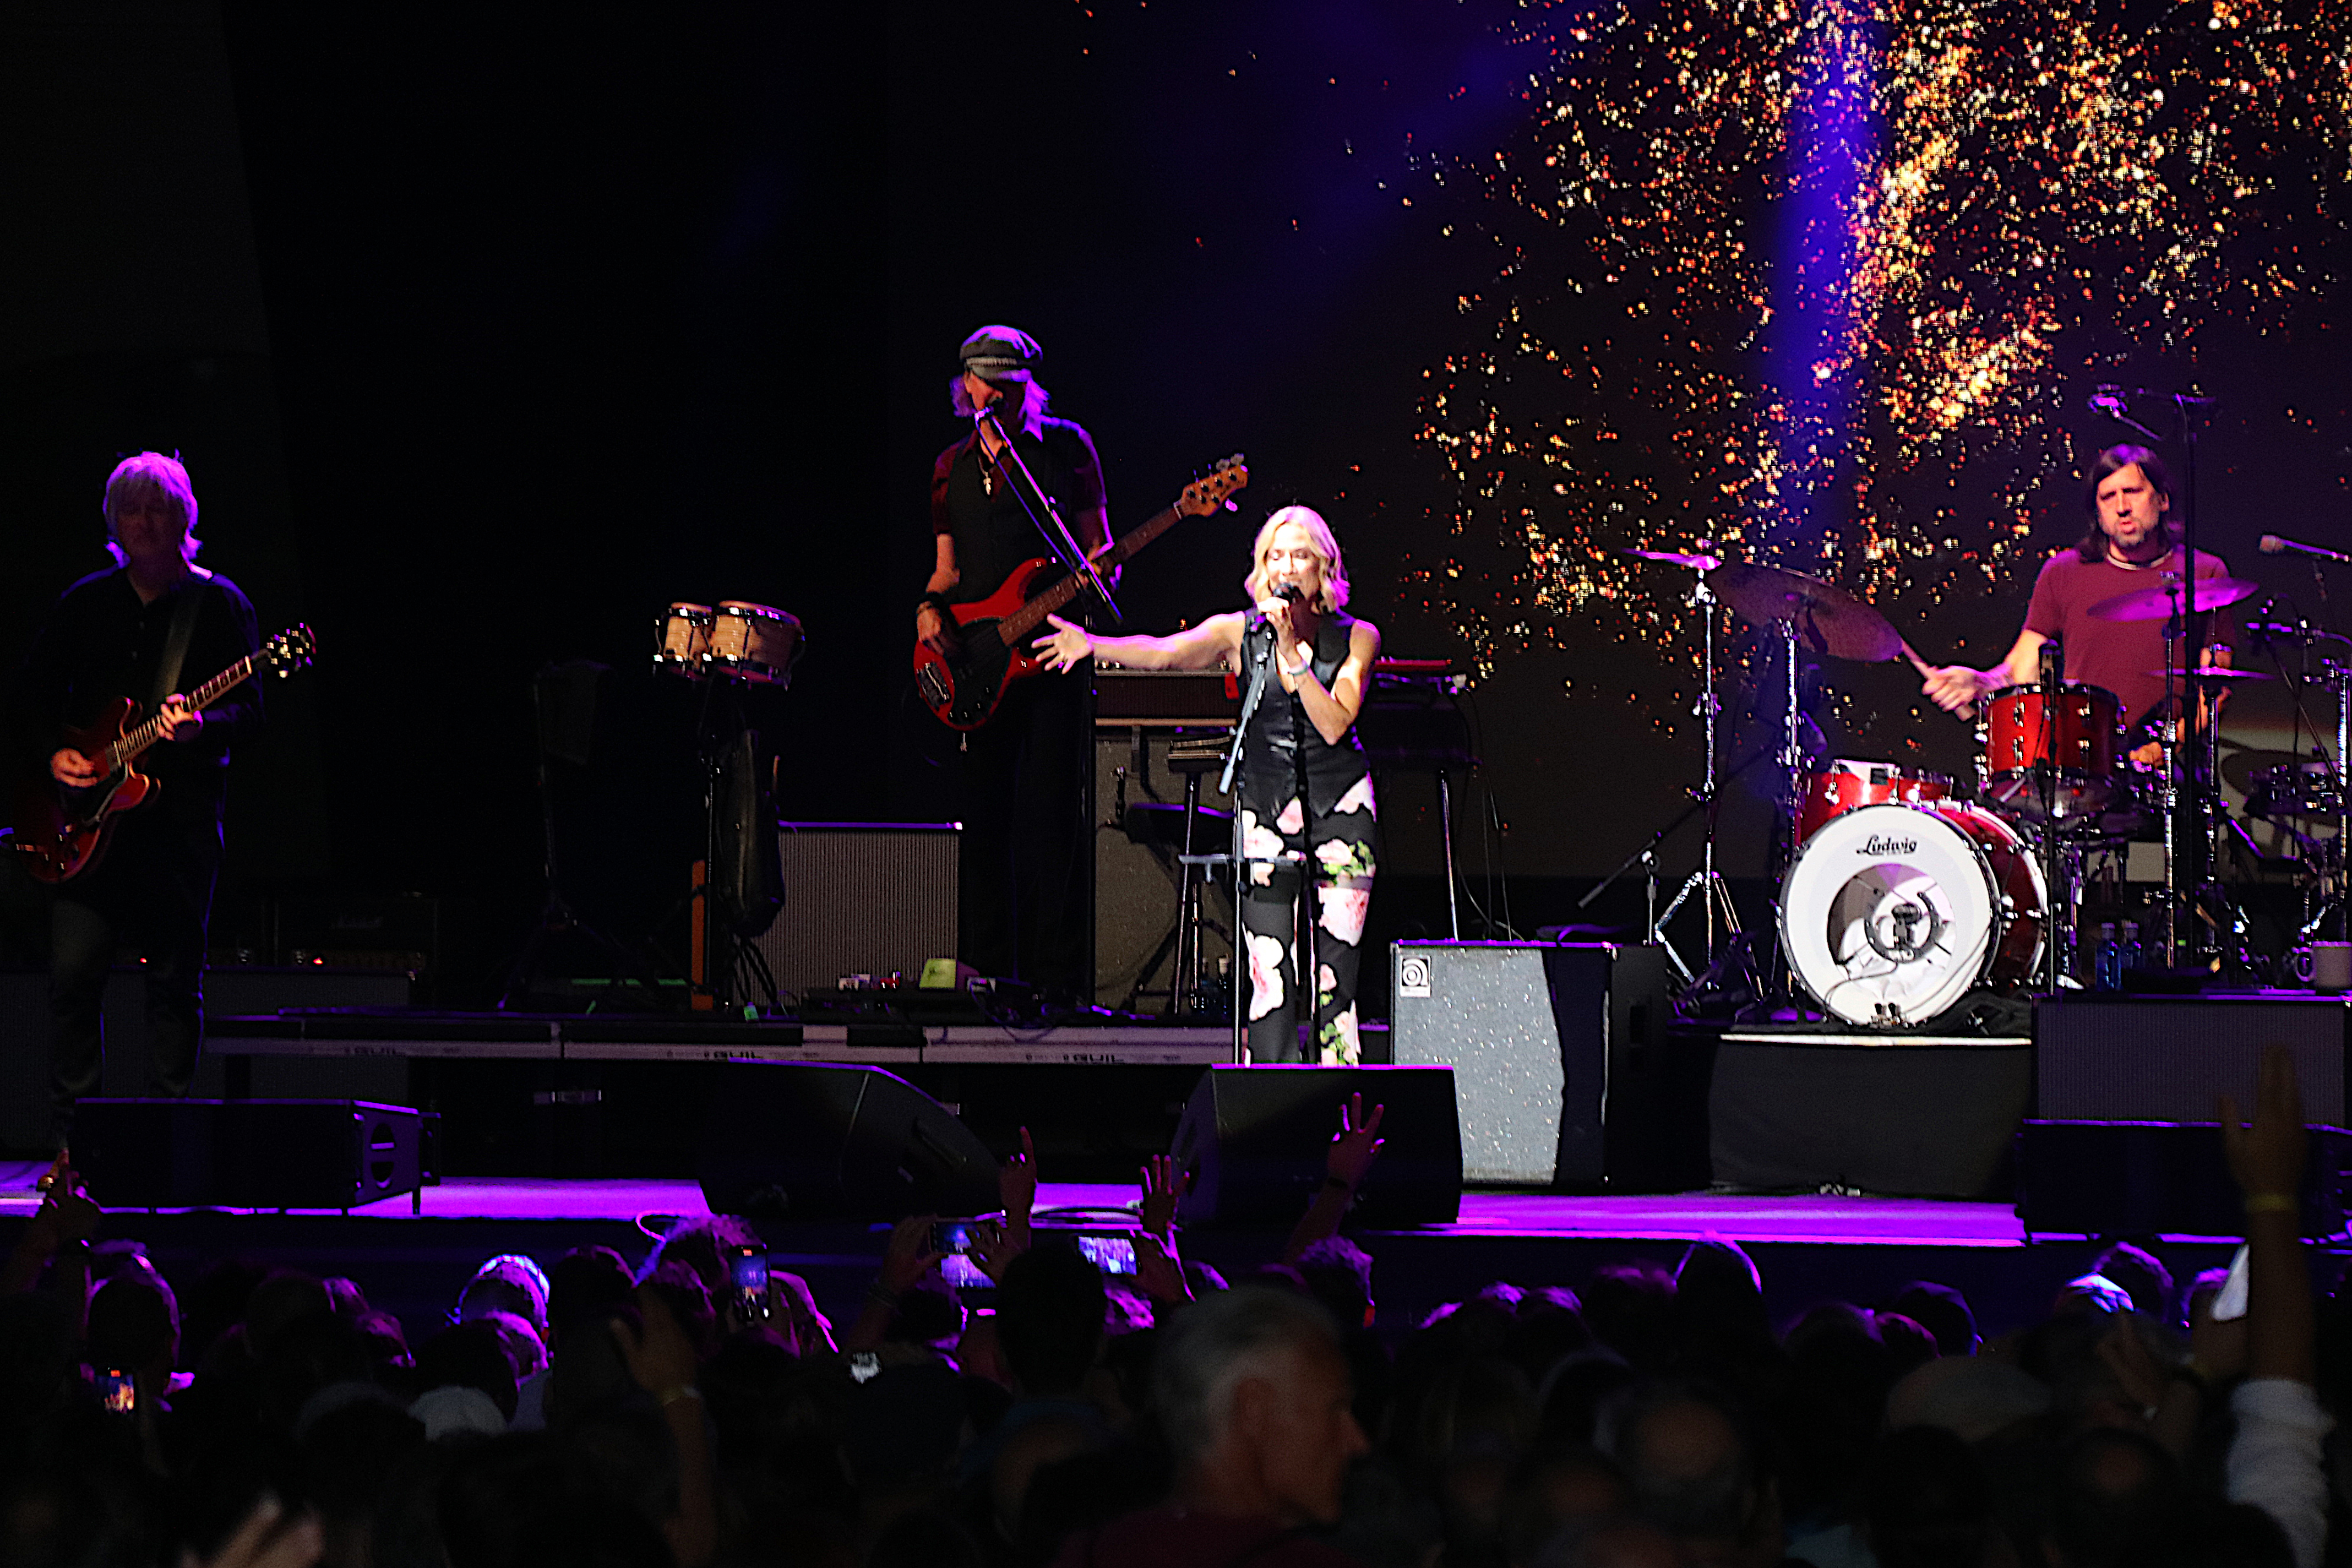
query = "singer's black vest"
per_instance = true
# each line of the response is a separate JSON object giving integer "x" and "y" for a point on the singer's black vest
{"x": 1269, "y": 758}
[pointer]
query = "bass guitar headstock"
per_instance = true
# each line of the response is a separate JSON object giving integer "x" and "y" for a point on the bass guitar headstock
{"x": 294, "y": 648}
{"x": 1206, "y": 494}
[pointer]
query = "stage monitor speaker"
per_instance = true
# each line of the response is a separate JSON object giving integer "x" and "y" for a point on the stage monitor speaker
{"x": 1253, "y": 1139}
{"x": 2141, "y": 1178}
{"x": 800, "y": 1141}
{"x": 1550, "y": 1044}
{"x": 247, "y": 1153}
{"x": 861, "y": 898}
{"x": 2163, "y": 1058}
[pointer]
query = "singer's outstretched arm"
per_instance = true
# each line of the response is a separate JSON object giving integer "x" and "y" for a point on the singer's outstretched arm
{"x": 1204, "y": 646}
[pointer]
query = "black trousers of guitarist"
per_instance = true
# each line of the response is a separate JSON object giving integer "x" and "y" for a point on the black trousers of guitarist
{"x": 1022, "y": 869}
{"x": 151, "y": 891}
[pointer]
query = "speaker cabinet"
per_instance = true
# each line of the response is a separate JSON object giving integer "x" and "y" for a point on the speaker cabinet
{"x": 2163, "y": 1058}
{"x": 1138, "y": 825}
{"x": 1254, "y": 1140}
{"x": 861, "y": 898}
{"x": 799, "y": 1141}
{"x": 1550, "y": 1044}
{"x": 247, "y": 1153}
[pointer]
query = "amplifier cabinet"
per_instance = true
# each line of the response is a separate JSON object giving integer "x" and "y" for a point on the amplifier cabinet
{"x": 862, "y": 897}
{"x": 2163, "y": 1058}
{"x": 1138, "y": 834}
{"x": 1534, "y": 1032}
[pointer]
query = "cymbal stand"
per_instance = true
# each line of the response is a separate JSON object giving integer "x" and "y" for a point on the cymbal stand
{"x": 2168, "y": 737}
{"x": 1706, "y": 878}
{"x": 2058, "y": 950}
{"x": 1709, "y": 709}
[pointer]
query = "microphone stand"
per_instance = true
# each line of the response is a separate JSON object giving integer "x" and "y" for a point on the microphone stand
{"x": 1261, "y": 663}
{"x": 1058, "y": 537}
{"x": 2188, "y": 822}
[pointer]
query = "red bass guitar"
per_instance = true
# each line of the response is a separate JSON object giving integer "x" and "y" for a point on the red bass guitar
{"x": 964, "y": 688}
{"x": 61, "y": 832}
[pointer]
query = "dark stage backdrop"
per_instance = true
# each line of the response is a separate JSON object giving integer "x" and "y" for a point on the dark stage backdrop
{"x": 487, "y": 336}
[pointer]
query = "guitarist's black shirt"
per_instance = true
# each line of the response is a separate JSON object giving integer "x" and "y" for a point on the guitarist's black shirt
{"x": 992, "y": 533}
{"x": 101, "y": 643}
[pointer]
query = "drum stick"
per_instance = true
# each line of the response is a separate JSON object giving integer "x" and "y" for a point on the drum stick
{"x": 1928, "y": 670}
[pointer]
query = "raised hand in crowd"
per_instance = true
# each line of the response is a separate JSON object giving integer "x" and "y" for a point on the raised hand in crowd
{"x": 907, "y": 1256}
{"x": 67, "y": 1217}
{"x": 1159, "y": 1269}
{"x": 1016, "y": 1185}
{"x": 1353, "y": 1148}
{"x": 1164, "y": 1186}
{"x": 267, "y": 1539}
{"x": 2268, "y": 1159}
{"x": 661, "y": 1360}
{"x": 1357, "y": 1143}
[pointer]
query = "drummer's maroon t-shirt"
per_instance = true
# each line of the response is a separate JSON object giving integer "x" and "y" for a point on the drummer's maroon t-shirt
{"x": 2116, "y": 655}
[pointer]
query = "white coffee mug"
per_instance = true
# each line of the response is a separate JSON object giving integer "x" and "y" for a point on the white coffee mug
{"x": 2331, "y": 967}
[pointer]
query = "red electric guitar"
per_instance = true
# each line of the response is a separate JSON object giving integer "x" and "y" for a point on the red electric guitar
{"x": 964, "y": 688}
{"x": 61, "y": 832}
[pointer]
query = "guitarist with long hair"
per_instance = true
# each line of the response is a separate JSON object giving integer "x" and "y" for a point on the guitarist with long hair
{"x": 146, "y": 630}
{"x": 1022, "y": 875}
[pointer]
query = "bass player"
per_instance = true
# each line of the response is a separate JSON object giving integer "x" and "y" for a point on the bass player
{"x": 137, "y": 631}
{"x": 1021, "y": 877}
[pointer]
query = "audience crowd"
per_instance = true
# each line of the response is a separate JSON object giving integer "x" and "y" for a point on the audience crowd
{"x": 589, "y": 1413}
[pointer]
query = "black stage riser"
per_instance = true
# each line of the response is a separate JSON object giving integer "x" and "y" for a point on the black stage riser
{"x": 2141, "y": 1178}
{"x": 228, "y": 990}
{"x": 1912, "y": 1121}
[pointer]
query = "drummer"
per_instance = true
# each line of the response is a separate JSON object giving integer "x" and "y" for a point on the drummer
{"x": 2132, "y": 542}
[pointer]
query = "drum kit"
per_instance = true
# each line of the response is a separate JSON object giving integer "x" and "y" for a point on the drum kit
{"x": 739, "y": 641}
{"x": 1901, "y": 895}
{"x": 730, "y": 649}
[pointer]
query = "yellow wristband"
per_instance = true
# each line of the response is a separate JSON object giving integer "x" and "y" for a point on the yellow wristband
{"x": 2271, "y": 1203}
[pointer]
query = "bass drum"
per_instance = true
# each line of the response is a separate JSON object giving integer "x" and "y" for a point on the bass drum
{"x": 1893, "y": 913}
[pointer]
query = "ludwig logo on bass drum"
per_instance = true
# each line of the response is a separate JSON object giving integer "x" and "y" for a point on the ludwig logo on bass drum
{"x": 1875, "y": 845}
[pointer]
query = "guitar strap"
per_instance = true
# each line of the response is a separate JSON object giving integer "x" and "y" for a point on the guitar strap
{"x": 175, "y": 641}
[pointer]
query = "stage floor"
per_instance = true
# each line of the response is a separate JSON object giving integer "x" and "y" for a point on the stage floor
{"x": 1812, "y": 1218}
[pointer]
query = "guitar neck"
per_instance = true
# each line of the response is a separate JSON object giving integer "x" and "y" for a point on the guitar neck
{"x": 136, "y": 741}
{"x": 1015, "y": 627}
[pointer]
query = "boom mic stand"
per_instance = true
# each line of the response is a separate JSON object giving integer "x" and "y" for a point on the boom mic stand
{"x": 1058, "y": 540}
{"x": 2188, "y": 819}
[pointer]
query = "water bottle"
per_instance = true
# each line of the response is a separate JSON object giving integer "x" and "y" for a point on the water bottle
{"x": 2106, "y": 969}
{"x": 2128, "y": 954}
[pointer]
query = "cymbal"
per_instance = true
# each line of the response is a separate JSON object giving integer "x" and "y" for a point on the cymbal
{"x": 2216, "y": 672}
{"x": 2155, "y": 602}
{"x": 1828, "y": 619}
{"x": 1696, "y": 562}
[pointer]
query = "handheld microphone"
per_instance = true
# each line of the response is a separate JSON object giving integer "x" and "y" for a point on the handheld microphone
{"x": 1290, "y": 594}
{"x": 2271, "y": 544}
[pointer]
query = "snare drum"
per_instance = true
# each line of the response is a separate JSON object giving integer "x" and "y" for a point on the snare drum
{"x": 1844, "y": 783}
{"x": 682, "y": 639}
{"x": 2075, "y": 729}
{"x": 754, "y": 642}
